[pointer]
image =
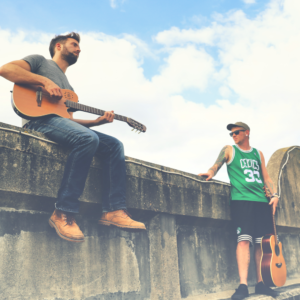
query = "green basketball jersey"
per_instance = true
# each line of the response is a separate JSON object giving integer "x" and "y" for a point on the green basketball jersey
{"x": 244, "y": 171}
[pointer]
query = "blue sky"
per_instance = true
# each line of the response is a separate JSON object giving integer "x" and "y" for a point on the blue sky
{"x": 143, "y": 18}
{"x": 140, "y": 18}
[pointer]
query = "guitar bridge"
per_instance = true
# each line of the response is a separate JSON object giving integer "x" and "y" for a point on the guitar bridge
{"x": 39, "y": 94}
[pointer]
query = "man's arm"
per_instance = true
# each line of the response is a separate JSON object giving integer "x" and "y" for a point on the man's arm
{"x": 19, "y": 71}
{"x": 223, "y": 157}
{"x": 268, "y": 183}
{"x": 108, "y": 117}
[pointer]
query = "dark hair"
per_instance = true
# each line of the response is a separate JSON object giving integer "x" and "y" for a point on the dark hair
{"x": 62, "y": 39}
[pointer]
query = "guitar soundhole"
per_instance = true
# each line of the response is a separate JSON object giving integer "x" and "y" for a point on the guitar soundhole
{"x": 68, "y": 95}
{"x": 279, "y": 265}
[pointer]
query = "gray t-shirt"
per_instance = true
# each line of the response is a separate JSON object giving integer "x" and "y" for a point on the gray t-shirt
{"x": 47, "y": 68}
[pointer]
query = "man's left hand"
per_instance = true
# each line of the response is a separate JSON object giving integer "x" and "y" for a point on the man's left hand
{"x": 108, "y": 117}
{"x": 274, "y": 201}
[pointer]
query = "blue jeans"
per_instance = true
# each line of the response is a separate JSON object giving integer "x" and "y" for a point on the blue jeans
{"x": 84, "y": 143}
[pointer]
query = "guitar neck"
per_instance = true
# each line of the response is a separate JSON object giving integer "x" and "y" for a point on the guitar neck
{"x": 77, "y": 106}
{"x": 274, "y": 226}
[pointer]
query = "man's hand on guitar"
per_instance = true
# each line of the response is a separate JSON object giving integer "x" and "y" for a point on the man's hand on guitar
{"x": 108, "y": 117}
{"x": 274, "y": 201}
{"x": 53, "y": 89}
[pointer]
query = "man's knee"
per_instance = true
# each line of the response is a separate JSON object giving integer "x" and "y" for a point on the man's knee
{"x": 118, "y": 145}
{"x": 244, "y": 244}
{"x": 90, "y": 140}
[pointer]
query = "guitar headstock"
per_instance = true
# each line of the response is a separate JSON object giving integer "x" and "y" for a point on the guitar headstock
{"x": 136, "y": 125}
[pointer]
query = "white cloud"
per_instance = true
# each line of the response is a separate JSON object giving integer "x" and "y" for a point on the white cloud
{"x": 249, "y": 1}
{"x": 113, "y": 3}
{"x": 175, "y": 36}
{"x": 256, "y": 72}
{"x": 185, "y": 68}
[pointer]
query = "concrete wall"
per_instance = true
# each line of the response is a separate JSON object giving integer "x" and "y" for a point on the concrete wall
{"x": 187, "y": 250}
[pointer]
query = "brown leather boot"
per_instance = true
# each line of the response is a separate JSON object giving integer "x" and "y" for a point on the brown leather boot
{"x": 65, "y": 226}
{"x": 120, "y": 218}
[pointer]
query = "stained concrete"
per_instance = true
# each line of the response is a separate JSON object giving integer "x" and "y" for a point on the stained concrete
{"x": 187, "y": 251}
{"x": 287, "y": 161}
{"x": 35, "y": 167}
{"x": 36, "y": 264}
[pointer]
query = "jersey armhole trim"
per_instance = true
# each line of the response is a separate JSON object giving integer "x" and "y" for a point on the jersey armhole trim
{"x": 259, "y": 155}
{"x": 233, "y": 154}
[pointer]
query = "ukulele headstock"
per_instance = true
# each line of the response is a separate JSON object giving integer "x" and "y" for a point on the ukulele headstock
{"x": 136, "y": 125}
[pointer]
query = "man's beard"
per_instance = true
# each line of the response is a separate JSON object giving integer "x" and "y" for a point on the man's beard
{"x": 69, "y": 57}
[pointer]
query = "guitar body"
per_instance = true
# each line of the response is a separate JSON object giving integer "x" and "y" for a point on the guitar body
{"x": 273, "y": 267}
{"x": 25, "y": 104}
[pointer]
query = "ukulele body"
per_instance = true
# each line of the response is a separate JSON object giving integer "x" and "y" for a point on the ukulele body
{"x": 273, "y": 267}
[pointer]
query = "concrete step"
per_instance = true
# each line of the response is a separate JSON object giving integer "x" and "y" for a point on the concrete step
{"x": 291, "y": 291}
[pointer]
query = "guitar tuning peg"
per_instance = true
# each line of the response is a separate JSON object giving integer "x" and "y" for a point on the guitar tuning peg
{"x": 139, "y": 132}
{"x": 132, "y": 129}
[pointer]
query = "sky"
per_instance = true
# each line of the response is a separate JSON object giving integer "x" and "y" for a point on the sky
{"x": 185, "y": 69}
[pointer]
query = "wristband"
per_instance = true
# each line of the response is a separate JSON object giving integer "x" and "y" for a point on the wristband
{"x": 275, "y": 195}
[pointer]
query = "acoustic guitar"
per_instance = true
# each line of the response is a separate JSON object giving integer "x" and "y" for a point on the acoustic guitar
{"x": 32, "y": 101}
{"x": 272, "y": 264}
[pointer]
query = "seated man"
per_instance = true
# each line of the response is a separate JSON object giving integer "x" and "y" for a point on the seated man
{"x": 250, "y": 210}
{"x": 77, "y": 135}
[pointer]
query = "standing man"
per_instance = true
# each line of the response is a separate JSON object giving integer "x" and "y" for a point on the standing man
{"x": 250, "y": 210}
{"x": 77, "y": 135}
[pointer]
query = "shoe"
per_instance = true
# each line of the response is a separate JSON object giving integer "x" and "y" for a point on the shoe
{"x": 120, "y": 218}
{"x": 65, "y": 226}
{"x": 241, "y": 292}
{"x": 262, "y": 289}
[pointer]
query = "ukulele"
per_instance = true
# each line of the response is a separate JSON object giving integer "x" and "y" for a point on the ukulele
{"x": 32, "y": 101}
{"x": 272, "y": 264}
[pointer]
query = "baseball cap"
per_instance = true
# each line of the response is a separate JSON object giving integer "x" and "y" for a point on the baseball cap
{"x": 238, "y": 124}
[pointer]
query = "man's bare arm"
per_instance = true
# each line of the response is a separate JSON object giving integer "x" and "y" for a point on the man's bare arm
{"x": 268, "y": 183}
{"x": 108, "y": 117}
{"x": 19, "y": 71}
{"x": 222, "y": 158}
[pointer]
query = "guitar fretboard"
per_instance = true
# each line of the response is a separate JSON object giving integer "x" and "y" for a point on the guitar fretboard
{"x": 274, "y": 226}
{"x": 92, "y": 110}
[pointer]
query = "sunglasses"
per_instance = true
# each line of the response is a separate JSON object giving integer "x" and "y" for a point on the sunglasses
{"x": 235, "y": 132}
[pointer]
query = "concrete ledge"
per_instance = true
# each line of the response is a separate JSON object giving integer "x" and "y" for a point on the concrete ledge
{"x": 35, "y": 167}
{"x": 187, "y": 251}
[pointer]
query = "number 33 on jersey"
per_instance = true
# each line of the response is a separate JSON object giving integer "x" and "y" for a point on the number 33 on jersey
{"x": 245, "y": 175}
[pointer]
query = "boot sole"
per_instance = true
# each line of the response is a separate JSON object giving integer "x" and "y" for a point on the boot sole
{"x": 62, "y": 236}
{"x": 107, "y": 223}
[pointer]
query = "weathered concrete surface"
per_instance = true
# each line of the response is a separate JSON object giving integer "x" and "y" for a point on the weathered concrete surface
{"x": 164, "y": 258}
{"x": 290, "y": 291}
{"x": 35, "y": 167}
{"x": 35, "y": 264}
{"x": 188, "y": 249}
{"x": 289, "y": 204}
